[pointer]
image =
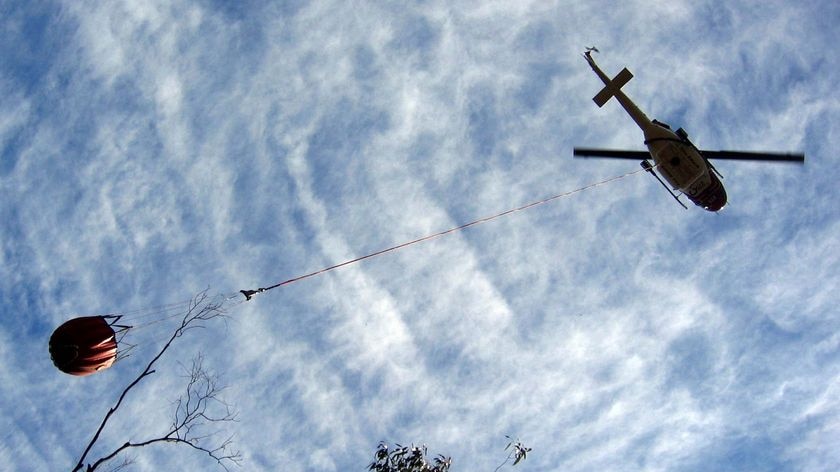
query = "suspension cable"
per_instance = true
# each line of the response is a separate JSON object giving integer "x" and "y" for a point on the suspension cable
{"x": 250, "y": 293}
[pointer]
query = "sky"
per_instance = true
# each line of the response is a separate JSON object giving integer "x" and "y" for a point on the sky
{"x": 155, "y": 150}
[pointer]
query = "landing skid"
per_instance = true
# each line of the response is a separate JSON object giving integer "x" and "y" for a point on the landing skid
{"x": 648, "y": 167}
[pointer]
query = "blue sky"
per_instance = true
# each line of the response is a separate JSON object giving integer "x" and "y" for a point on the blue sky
{"x": 148, "y": 152}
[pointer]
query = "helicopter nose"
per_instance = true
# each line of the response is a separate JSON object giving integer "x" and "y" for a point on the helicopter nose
{"x": 715, "y": 206}
{"x": 713, "y": 197}
{"x": 717, "y": 201}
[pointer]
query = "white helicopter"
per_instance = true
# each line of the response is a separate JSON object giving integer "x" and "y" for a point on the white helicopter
{"x": 685, "y": 167}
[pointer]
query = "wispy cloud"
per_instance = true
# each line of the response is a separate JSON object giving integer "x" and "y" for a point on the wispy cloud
{"x": 155, "y": 150}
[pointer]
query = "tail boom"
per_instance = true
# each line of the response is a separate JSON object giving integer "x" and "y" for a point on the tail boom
{"x": 612, "y": 88}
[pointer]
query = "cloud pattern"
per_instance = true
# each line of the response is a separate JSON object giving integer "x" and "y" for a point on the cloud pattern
{"x": 150, "y": 151}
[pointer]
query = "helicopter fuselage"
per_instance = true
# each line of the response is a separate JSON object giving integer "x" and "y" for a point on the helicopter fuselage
{"x": 674, "y": 156}
{"x": 683, "y": 167}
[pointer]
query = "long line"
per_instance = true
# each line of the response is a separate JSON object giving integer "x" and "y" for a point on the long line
{"x": 249, "y": 293}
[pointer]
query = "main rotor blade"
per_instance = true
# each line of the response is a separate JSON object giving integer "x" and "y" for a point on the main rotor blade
{"x": 611, "y": 153}
{"x": 725, "y": 155}
{"x": 755, "y": 156}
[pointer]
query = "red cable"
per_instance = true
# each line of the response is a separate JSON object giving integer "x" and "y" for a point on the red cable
{"x": 249, "y": 293}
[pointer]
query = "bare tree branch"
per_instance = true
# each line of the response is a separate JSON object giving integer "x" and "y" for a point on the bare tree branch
{"x": 191, "y": 412}
{"x": 122, "y": 465}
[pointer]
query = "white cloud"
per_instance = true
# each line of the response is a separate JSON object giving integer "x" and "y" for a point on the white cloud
{"x": 171, "y": 147}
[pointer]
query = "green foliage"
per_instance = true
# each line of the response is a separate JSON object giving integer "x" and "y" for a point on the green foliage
{"x": 413, "y": 458}
{"x": 519, "y": 451}
{"x": 407, "y": 459}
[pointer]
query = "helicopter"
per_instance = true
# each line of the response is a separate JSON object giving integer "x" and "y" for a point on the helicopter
{"x": 687, "y": 169}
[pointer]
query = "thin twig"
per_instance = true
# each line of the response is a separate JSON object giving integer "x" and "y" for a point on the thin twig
{"x": 198, "y": 312}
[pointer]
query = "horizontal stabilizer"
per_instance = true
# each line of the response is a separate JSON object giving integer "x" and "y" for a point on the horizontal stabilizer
{"x": 612, "y": 87}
